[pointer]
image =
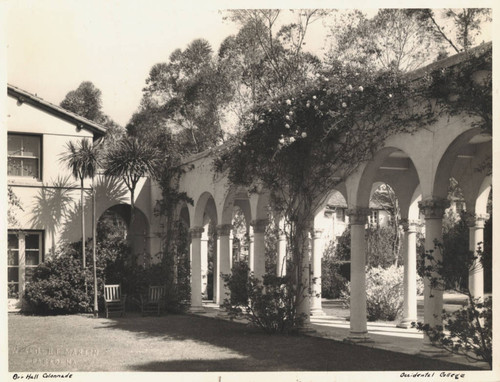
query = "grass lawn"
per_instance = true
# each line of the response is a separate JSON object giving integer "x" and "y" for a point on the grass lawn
{"x": 185, "y": 343}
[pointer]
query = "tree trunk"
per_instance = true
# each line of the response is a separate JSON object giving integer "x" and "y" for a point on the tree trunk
{"x": 84, "y": 265}
{"x": 94, "y": 244}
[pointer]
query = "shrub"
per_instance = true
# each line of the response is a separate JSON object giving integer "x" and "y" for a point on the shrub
{"x": 236, "y": 283}
{"x": 380, "y": 243}
{"x": 270, "y": 304}
{"x": 57, "y": 287}
{"x": 333, "y": 283}
{"x": 384, "y": 293}
{"x": 467, "y": 331}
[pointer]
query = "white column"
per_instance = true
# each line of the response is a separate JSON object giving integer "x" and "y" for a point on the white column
{"x": 224, "y": 262}
{"x": 281, "y": 260}
{"x": 259, "y": 247}
{"x": 357, "y": 219}
{"x": 231, "y": 249}
{"x": 251, "y": 250}
{"x": 317, "y": 255}
{"x": 476, "y": 236}
{"x": 216, "y": 271}
{"x": 410, "y": 273}
{"x": 433, "y": 210}
{"x": 204, "y": 261}
{"x": 195, "y": 254}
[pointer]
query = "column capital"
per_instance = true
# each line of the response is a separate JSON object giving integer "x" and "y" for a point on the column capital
{"x": 224, "y": 229}
{"x": 259, "y": 225}
{"x": 317, "y": 233}
{"x": 196, "y": 232}
{"x": 357, "y": 216}
{"x": 476, "y": 220}
{"x": 409, "y": 225}
{"x": 433, "y": 208}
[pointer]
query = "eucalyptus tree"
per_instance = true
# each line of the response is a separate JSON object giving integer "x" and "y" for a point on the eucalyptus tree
{"x": 391, "y": 39}
{"x": 186, "y": 93}
{"x": 457, "y": 28}
{"x": 266, "y": 57}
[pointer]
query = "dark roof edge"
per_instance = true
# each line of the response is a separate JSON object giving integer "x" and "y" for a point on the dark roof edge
{"x": 79, "y": 121}
{"x": 450, "y": 61}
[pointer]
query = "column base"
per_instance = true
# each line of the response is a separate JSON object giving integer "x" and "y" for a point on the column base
{"x": 406, "y": 323}
{"x": 317, "y": 312}
{"x": 358, "y": 337}
{"x": 306, "y": 328}
{"x": 196, "y": 309}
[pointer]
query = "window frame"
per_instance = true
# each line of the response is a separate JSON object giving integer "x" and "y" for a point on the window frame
{"x": 22, "y": 266}
{"x": 39, "y": 158}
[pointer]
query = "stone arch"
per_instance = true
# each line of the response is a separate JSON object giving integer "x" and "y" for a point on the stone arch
{"x": 413, "y": 210}
{"x": 392, "y": 166}
{"x": 260, "y": 203}
{"x": 137, "y": 231}
{"x": 447, "y": 162}
{"x": 237, "y": 196}
{"x": 483, "y": 196}
{"x": 205, "y": 207}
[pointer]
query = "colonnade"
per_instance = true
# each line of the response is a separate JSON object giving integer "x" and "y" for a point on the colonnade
{"x": 415, "y": 171}
{"x": 432, "y": 210}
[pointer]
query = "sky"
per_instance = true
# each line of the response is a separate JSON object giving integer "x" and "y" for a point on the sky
{"x": 52, "y": 46}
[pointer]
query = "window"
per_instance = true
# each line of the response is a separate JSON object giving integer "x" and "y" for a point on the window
{"x": 13, "y": 266}
{"x": 24, "y": 154}
{"x": 24, "y": 254}
{"x": 340, "y": 214}
{"x": 374, "y": 218}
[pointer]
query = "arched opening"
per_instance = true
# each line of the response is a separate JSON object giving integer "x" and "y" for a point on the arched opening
{"x": 204, "y": 258}
{"x": 115, "y": 222}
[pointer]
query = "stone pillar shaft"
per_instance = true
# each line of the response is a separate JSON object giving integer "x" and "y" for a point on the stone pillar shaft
{"x": 251, "y": 250}
{"x": 433, "y": 210}
{"x": 195, "y": 254}
{"x": 224, "y": 263}
{"x": 281, "y": 260}
{"x": 410, "y": 274}
{"x": 259, "y": 247}
{"x": 317, "y": 256}
{"x": 357, "y": 218}
{"x": 476, "y": 272}
{"x": 204, "y": 262}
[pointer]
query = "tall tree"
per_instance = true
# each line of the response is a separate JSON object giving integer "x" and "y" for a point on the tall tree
{"x": 130, "y": 160}
{"x": 392, "y": 39}
{"x": 265, "y": 58}
{"x": 456, "y": 28}
{"x": 186, "y": 95}
{"x": 85, "y": 101}
{"x": 83, "y": 159}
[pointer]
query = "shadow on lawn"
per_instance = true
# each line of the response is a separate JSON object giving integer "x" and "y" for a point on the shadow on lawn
{"x": 263, "y": 351}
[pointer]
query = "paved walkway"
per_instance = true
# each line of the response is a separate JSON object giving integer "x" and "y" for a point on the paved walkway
{"x": 387, "y": 336}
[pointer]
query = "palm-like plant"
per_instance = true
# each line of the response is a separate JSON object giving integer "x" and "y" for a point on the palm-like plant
{"x": 131, "y": 159}
{"x": 83, "y": 160}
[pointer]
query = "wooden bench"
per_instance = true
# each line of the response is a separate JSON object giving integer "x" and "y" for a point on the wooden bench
{"x": 114, "y": 301}
{"x": 154, "y": 301}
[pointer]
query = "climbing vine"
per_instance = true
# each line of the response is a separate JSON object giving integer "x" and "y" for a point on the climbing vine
{"x": 301, "y": 145}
